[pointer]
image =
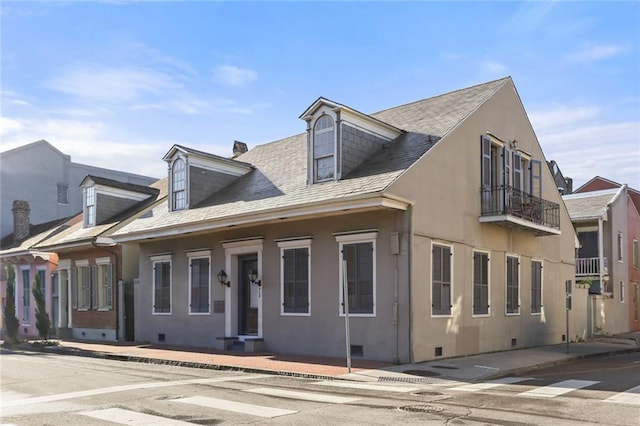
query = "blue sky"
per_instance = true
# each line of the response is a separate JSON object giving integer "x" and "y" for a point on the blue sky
{"x": 117, "y": 83}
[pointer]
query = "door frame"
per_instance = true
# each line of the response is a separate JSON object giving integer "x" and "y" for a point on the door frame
{"x": 232, "y": 250}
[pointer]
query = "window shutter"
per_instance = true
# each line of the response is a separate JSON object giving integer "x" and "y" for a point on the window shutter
{"x": 436, "y": 283}
{"x": 485, "y": 147}
{"x": 517, "y": 170}
{"x": 74, "y": 287}
{"x": 506, "y": 163}
{"x": 536, "y": 178}
{"x": 108, "y": 282}
{"x": 94, "y": 287}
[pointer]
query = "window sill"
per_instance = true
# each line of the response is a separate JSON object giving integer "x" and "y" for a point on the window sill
{"x": 358, "y": 315}
{"x": 441, "y": 316}
{"x": 512, "y": 314}
{"x": 199, "y": 314}
{"x": 104, "y": 309}
{"x": 481, "y": 315}
{"x": 161, "y": 313}
{"x": 298, "y": 314}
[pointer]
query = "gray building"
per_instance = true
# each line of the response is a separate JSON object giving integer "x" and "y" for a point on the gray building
{"x": 48, "y": 179}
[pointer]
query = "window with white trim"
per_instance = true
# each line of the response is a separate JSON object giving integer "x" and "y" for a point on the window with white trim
{"x": 161, "y": 297}
{"x": 199, "y": 282}
{"x": 619, "y": 246}
{"x": 104, "y": 284}
{"x": 42, "y": 276}
{"x": 90, "y": 206}
{"x": 26, "y": 295}
{"x": 323, "y": 149}
{"x": 295, "y": 276}
{"x": 358, "y": 252}
{"x": 480, "y": 283}
{"x": 513, "y": 285}
{"x": 536, "y": 287}
{"x": 178, "y": 185}
{"x": 83, "y": 284}
{"x": 441, "y": 279}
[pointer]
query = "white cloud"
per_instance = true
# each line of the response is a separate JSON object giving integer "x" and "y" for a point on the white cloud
{"x": 8, "y": 126}
{"x": 494, "y": 67}
{"x": 233, "y": 76}
{"x": 591, "y": 53}
{"x": 561, "y": 117}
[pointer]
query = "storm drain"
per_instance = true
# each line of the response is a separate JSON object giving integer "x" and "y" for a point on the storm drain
{"x": 445, "y": 367}
{"x": 421, "y": 409}
{"x": 421, "y": 373}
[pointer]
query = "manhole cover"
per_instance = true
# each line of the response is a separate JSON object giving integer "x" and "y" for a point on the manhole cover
{"x": 422, "y": 373}
{"x": 422, "y": 409}
{"x": 446, "y": 367}
{"x": 427, "y": 393}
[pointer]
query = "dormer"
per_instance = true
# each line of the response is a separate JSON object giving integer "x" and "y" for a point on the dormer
{"x": 340, "y": 138}
{"x": 103, "y": 199}
{"x": 194, "y": 175}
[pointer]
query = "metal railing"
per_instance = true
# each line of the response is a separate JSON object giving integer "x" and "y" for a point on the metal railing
{"x": 507, "y": 200}
{"x": 589, "y": 266}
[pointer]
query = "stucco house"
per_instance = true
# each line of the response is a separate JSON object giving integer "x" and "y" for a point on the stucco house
{"x": 440, "y": 217}
{"x": 627, "y": 235}
{"x": 94, "y": 273}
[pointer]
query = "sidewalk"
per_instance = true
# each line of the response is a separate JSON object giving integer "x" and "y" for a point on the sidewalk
{"x": 468, "y": 369}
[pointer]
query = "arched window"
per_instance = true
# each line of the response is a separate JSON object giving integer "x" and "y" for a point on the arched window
{"x": 179, "y": 185}
{"x": 323, "y": 149}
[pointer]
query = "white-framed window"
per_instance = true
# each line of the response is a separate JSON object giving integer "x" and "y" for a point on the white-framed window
{"x": 90, "y": 206}
{"x": 359, "y": 252}
{"x": 481, "y": 293}
{"x": 295, "y": 277}
{"x": 161, "y": 297}
{"x": 26, "y": 295}
{"x": 536, "y": 287}
{"x": 83, "y": 284}
{"x": 179, "y": 184}
{"x": 619, "y": 246}
{"x": 42, "y": 277}
{"x": 199, "y": 282}
{"x": 441, "y": 279}
{"x": 622, "y": 290}
{"x": 513, "y": 285}
{"x": 104, "y": 283}
{"x": 63, "y": 193}
{"x": 323, "y": 149}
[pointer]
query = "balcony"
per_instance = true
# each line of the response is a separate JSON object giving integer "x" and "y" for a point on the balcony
{"x": 590, "y": 267}
{"x": 513, "y": 208}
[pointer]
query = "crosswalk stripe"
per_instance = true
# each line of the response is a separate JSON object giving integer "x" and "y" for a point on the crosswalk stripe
{"x": 236, "y": 407}
{"x": 558, "y": 389}
{"x": 365, "y": 386}
{"x": 306, "y": 396}
{"x": 477, "y": 387}
{"x": 631, "y": 397}
{"x": 127, "y": 417}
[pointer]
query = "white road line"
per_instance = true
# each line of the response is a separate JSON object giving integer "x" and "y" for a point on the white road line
{"x": 559, "y": 388}
{"x": 365, "y": 386}
{"x": 236, "y": 407}
{"x": 306, "y": 396}
{"x": 127, "y": 417}
{"x": 123, "y": 388}
{"x": 631, "y": 397}
{"x": 477, "y": 387}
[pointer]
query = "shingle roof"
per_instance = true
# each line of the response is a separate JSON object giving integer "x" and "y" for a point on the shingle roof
{"x": 279, "y": 179}
{"x": 37, "y": 233}
{"x": 589, "y": 204}
{"x": 142, "y": 189}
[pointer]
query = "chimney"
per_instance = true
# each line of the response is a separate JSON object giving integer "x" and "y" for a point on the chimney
{"x": 21, "y": 212}
{"x": 239, "y": 148}
{"x": 569, "y": 184}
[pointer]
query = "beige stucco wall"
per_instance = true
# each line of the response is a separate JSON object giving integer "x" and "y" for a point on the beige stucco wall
{"x": 445, "y": 186}
{"x": 322, "y": 332}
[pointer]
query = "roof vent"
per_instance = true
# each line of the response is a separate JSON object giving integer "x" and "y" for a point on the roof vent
{"x": 239, "y": 148}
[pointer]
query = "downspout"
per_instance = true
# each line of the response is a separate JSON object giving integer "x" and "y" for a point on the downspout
{"x": 396, "y": 358}
{"x": 410, "y": 280}
{"x": 601, "y": 252}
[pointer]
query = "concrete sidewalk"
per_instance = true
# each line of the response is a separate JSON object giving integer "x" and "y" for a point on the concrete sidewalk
{"x": 468, "y": 369}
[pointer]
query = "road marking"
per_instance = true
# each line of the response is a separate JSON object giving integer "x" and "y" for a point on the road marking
{"x": 236, "y": 407}
{"x": 123, "y": 388}
{"x": 307, "y": 396}
{"x": 559, "y": 388}
{"x": 477, "y": 387}
{"x": 631, "y": 397}
{"x": 365, "y": 386}
{"x": 127, "y": 417}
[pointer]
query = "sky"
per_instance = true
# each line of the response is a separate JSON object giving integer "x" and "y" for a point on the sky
{"x": 116, "y": 83}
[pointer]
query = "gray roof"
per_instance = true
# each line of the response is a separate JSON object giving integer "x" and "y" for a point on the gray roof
{"x": 279, "y": 179}
{"x": 122, "y": 185}
{"x": 589, "y": 205}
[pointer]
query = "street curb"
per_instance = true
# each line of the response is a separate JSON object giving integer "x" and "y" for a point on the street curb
{"x": 569, "y": 360}
{"x": 160, "y": 361}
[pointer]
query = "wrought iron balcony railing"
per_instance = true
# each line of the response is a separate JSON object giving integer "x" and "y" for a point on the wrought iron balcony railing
{"x": 505, "y": 200}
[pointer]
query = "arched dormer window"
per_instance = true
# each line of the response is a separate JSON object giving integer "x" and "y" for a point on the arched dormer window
{"x": 323, "y": 149}
{"x": 178, "y": 185}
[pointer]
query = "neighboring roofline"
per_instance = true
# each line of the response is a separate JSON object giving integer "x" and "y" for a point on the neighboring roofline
{"x": 32, "y": 144}
{"x": 76, "y": 244}
{"x": 361, "y": 202}
{"x": 612, "y": 182}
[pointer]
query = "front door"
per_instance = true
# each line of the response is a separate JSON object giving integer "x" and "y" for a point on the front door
{"x": 129, "y": 312}
{"x": 247, "y": 296}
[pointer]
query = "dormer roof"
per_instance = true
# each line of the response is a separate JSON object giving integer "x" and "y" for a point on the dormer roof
{"x": 90, "y": 179}
{"x": 211, "y": 161}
